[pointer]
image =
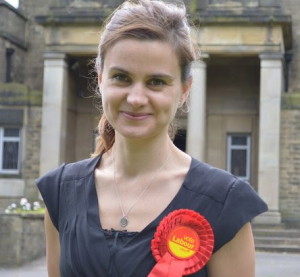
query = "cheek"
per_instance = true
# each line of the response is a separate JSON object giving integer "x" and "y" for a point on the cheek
{"x": 169, "y": 106}
{"x": 176, "y": 99}
{"x": 107, "y": 96}
{"x": 106, "y": 102}
{"x": 110, "y": 100}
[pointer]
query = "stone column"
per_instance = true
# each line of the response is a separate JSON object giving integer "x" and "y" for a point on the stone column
{"x": 197, "y": 115}
{"x": 53, "y": 131}
{"x": 271, "y": 86}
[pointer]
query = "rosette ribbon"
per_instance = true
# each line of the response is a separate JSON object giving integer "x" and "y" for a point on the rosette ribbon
{"x": 182, "y": 244}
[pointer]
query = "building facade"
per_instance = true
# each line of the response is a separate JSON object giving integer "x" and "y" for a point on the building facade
{"x": 244, "y": 105}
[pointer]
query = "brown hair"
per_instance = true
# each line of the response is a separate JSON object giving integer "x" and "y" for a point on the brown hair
{"x": 145, "y": 20}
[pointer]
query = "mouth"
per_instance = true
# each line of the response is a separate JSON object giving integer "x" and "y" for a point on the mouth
{"x": 135, "y": 116}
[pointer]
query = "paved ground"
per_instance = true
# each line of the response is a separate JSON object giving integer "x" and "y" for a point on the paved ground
{"x": 267, "y": 265}
{"x": 277, "y": 265}
{"x": 34, "y": 269}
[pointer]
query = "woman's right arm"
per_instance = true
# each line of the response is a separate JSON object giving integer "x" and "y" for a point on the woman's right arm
{"x": 52, "y": 247}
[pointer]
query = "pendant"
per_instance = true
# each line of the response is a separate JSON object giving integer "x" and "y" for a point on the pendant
{"x": 123, "y": 222}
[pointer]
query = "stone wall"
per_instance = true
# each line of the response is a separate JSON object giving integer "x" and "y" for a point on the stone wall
{"x": 6, "y": 201}
{"x": 290, "y": 127}
{"x": 12, "y": 36}
{"x": 18, "y": 66}
{"x": 31, "y": 165}
{"x": 12, "y": 22}
{"x": 22, "y": 239}
{"x": 24, "y": 92}
{"x": 292, "y": 7}
{"x": 34, "y": 59}
{"x": 290, "y": 159}
{"x": 20, "y": 97}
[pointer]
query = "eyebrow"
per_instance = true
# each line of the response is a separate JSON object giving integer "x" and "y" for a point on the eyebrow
{"x": 116, "y": 68}
{"x": 162, "y": 75}
{"x": 156, "y": 75}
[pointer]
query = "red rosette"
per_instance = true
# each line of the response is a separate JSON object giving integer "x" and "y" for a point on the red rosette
{"x": 182, "y": 244}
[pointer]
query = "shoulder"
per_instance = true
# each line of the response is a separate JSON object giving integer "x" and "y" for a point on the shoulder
{"x": 79, "y": 169}
{"x": 225, "y": 200}
{"x": 210, "y": 181}
{"x": 67, "y": 172}
{"x": 54, "y": 187}
{"x": 223, "y": 189}
{"x": 74, "y": 170}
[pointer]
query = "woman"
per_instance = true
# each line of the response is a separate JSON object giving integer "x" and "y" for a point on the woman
{"x": 103, "y": 212}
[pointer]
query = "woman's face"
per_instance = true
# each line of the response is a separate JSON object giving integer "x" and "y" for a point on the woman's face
{"x": 141, "y": 87}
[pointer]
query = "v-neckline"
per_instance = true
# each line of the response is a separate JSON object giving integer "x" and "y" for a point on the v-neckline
{"x": 93, "y": 204}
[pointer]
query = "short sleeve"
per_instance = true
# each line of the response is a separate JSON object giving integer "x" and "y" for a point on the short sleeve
{"x": 49, "y": 187}
{"x": 241, "y": 205}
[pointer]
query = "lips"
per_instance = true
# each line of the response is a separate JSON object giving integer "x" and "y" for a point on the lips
{"x": 135, "y": 116}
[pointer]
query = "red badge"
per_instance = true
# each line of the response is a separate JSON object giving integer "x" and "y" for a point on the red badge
{"x": 182, "y": 244}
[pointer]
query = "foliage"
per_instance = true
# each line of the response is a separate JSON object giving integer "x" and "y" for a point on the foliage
{"x": 25, "y": 207}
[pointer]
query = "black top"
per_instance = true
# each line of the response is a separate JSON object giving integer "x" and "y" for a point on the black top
{"x": 87, "y": 250}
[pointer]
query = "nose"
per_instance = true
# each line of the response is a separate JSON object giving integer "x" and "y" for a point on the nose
{"x": 137, "y": 95}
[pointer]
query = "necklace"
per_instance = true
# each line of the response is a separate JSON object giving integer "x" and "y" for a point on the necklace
{"x": 124, "y": 219}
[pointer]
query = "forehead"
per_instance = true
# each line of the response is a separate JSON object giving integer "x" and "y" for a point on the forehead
{"x": 142, "y": 55}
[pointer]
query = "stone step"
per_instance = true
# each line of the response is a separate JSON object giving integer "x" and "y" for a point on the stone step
{"x": 277, "y": 248}
{"x": 271, "y": 226}
{"x": 290, "y": 233}
{"x": 278, "y": 241}
{"x": 276, "y": 238}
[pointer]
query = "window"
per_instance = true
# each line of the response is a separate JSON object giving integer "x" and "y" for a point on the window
{"x": 238, "y": 155}
{"x": 9, "y": 64}
{"x": 9, "y": 150}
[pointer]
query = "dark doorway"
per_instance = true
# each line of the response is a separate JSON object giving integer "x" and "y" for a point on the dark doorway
{"x": 180, "y": 139}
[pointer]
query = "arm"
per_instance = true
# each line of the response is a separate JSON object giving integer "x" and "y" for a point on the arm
{"x": 236, "y": 258}
{"x": 52, "y": 247}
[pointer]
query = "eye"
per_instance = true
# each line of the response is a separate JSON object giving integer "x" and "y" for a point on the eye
{"x": 120, "y": 78}
{"x": 156, "y": 83}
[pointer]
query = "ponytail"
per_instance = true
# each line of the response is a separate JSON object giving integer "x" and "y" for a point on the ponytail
{"x": 106, "y": 137}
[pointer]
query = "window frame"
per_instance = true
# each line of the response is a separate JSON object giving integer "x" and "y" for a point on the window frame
{"x": 10, "y": 139}
{"x": 246, "y": 147}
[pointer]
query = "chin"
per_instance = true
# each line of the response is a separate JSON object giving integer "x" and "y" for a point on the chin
{"x": 137, "y": 133}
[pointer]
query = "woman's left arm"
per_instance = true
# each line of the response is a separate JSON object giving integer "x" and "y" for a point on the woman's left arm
{"x": 236, "y": 258}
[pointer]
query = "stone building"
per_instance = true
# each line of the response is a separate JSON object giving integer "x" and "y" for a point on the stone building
{"x": 244, "y": 105}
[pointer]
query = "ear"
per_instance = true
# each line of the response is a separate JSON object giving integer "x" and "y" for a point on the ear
{"x": 186, "y": 87}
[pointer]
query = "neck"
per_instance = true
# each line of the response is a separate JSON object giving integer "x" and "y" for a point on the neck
{"x": 134, "y": 157}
